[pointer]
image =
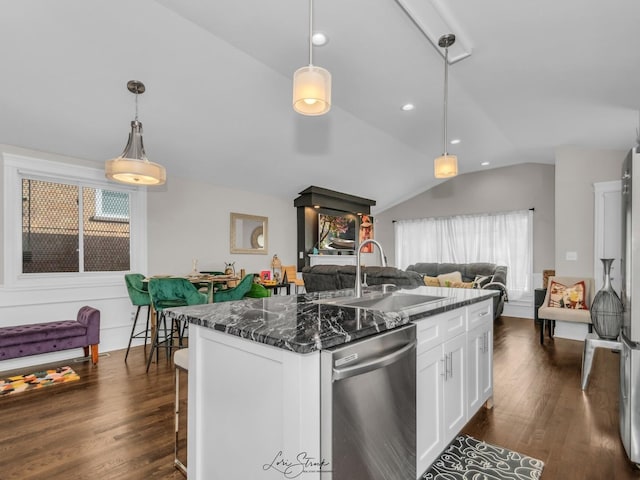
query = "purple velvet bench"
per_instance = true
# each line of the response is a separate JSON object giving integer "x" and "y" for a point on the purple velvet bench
{"x": 36, "y": 338}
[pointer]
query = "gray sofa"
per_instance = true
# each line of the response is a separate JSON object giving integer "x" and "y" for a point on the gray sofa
{"x": 337, "y": 277}
{"x": 469, "y": 271}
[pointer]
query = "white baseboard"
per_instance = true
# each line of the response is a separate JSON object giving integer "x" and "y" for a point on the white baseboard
{"x": 518, "y": 309}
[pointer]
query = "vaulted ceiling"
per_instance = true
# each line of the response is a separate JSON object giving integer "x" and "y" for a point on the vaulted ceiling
{"x": 541, "y": 74}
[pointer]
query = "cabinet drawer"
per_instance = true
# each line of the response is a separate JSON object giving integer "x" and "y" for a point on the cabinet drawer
{"x": 479, "y": 313}
{"x": 455, "y": 323}
{"x": 429, "y": 333}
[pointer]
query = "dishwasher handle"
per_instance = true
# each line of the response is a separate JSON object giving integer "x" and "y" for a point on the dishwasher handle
{"x": 359, "y": 369}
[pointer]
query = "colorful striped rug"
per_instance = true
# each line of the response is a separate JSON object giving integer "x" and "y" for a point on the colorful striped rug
{"x": 32, "y": 381}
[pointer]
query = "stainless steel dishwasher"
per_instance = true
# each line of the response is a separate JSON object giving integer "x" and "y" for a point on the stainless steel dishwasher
{"x": 368, "y": 408}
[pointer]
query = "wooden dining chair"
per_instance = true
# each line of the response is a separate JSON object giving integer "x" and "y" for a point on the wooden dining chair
{"x": 290, "y": 275}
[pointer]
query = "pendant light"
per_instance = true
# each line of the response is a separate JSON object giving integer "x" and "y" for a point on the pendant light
{"x": 311, "y": 84}
{"x": 132, "y": 166}
{"x": 446, "y": 165}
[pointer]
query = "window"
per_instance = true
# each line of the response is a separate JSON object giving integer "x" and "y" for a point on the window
{"x": 111, "y": 205}
{"x": 65, "y": 229}
{"x": 500, "y": 238}
{"x": 68, "y": 220}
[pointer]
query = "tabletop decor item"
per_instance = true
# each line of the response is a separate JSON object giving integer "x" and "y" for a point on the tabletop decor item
{"x": 606, "y": 309}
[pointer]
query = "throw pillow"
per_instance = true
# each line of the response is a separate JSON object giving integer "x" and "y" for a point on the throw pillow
{"x": 446, "y": 279}
{"x": 563, "y": 296}
{"x": 461, "y": 285}
{"x": 431, "y": 281}
{"x": 481, "y": 280}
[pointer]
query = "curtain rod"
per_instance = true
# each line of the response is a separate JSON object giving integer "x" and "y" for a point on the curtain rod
{"x": 532, "y": 209}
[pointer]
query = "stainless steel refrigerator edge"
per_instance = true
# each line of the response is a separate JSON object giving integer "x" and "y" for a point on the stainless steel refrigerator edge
{"x": 368, "y": 408}
{"x": 630, "y": 335}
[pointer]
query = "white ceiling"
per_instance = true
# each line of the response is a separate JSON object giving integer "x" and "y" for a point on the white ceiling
{"x": 542, "y": 74}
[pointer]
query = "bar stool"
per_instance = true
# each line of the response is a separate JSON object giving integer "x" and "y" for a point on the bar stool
{"x": 591, "y": 342}
{"x": 181, "y": 362}
{"x": 139, "y": 297}
{"x": 167, "y": 293}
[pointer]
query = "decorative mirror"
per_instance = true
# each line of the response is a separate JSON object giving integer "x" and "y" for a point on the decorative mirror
{"x": 248, "y": 234}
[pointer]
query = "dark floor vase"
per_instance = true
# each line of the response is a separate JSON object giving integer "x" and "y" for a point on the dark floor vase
{"x": 606, "y": 309}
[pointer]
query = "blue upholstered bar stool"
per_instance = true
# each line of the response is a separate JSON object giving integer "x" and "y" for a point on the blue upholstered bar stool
{"x": 181, "y": 362}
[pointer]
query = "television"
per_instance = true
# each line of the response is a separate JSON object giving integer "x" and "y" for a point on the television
{"x": 336, "y": 232}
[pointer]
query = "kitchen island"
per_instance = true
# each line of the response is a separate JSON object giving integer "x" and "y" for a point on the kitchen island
{"x": 254, "y": 376}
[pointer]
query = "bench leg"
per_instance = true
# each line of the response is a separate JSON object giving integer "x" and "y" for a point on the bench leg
{"x": 94, "y": 354}
{"x": 86, "y": 351}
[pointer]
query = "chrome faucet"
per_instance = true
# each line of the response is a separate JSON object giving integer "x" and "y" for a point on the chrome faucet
{"x": 358, "y": 268}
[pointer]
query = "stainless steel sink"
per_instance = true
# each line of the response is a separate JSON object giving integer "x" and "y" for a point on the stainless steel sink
{"x": 390, "y": 302}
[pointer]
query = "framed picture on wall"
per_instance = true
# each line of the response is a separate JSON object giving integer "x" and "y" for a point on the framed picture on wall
{"x": 366, "y": 232}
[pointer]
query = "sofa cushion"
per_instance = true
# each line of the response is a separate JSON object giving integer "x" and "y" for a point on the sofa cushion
{"x": 431, "y": 281}
{"x": 469, "y": 273}
{"x": 482, "y": 280}
{"x": 446, "y": 279}
{"x": 568, "y": 296}
{"x": 461, "y": 285}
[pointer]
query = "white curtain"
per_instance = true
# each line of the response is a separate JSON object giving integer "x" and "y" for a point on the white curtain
{"x": 502, "y": 238}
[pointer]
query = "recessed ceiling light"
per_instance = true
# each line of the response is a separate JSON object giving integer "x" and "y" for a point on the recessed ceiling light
{"x": 407, "y": 107}
{"x": 484, "y": 164}
{"x": 455, "y": 141}
{"x": 319, "y": 39}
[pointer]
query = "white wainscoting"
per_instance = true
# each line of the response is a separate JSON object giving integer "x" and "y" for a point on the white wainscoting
{"x": 25, "y": 305}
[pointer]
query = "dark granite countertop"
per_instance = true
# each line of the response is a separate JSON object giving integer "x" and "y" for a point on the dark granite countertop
{"x": 303, "y": 323}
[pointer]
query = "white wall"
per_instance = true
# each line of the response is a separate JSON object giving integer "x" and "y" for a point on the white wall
{"x": 516, "y": 187}
{"x": 188, "y": 220}
{"x": 577, "y": 169}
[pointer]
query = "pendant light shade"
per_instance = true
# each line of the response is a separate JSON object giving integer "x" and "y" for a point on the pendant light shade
{"x": 311, "y": 84}
{"x": 446, "y": 166}
{"x": 311, "y": 90}
{"x": 132, "y": 166}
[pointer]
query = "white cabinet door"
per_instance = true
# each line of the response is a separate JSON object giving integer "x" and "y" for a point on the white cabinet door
{"x": 443, "y": 372}
{"x": 455, "y": 399}
{"x": 429, "y": 415}
{"x": 480, "y": 366}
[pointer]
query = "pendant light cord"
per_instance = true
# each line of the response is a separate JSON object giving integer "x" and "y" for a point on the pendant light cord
{"x": 310, "y": 32}
{"x": 446, "y": 94}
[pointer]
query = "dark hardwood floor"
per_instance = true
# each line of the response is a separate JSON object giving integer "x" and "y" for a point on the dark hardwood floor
{"x": 540, "y": 410}
{"x": 117, "y": 421}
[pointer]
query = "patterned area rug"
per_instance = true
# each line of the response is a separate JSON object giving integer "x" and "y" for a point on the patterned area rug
{"x": 23, "y": 383}
{"x": 469, "y": 459}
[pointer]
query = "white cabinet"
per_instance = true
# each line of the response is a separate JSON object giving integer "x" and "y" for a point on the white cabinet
{"x": 455, "y": 399}
{"x": 446, "y": 372}
{"x": 480, "y": 366}
{"x": 429, "y": 407}
{"x": 250, "y": 405}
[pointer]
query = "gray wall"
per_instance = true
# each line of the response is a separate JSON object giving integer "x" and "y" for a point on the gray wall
{"x": 577, "y": 169}
{"x": 497, "y": 190}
